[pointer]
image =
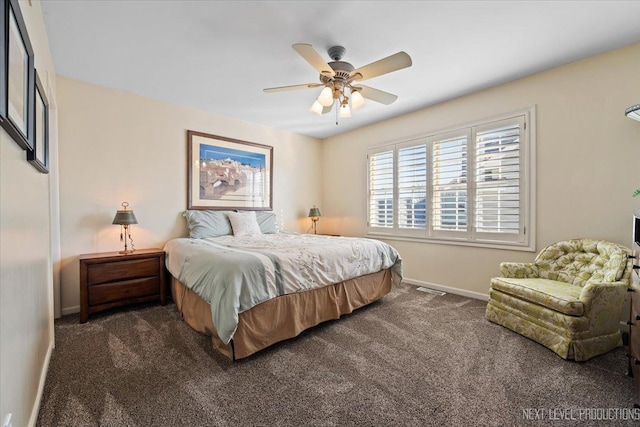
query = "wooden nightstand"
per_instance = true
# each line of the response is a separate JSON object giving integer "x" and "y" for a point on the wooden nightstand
{"x": 111, "y": 279}
{"x": 634, "y": 335}
{"x": 634, "y": 321}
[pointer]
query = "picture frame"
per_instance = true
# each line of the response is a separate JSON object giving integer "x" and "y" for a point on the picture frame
{"x": 39, "y": 156}
{"x": 17, "y": 76}
{"x": 227, "y": 174}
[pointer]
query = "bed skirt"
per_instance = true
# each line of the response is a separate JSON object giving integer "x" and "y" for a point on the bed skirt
{"x": 283, "y": 317}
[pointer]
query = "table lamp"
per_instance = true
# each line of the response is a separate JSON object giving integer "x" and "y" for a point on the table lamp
{"x": 314, "y": 214}
{"x": 124, "y": 218}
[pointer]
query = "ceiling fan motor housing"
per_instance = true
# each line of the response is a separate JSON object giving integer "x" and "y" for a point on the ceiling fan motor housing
{"x": 341, "y": 69}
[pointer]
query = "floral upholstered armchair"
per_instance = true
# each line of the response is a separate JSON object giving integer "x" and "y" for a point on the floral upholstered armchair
{"x": 569, "y": 299}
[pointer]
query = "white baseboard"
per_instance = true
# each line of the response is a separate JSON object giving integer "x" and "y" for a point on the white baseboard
{"x": 463, "y": 292}
{"x": 43, "y": 378}
{"x": 70, "y": 310}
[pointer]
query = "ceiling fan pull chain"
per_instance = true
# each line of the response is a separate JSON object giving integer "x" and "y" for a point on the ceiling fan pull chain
{"x": 337, "y": 111}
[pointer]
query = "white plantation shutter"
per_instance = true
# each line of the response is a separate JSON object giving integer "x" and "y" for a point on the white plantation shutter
{"x": 381, "y": 189}
{"x": 498, "y": 180}
{"x": 449, "y": 183}
{"x": 412, "y": 187}
{"x": 474, "y": 185}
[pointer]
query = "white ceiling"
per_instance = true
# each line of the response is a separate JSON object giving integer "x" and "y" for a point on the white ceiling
{"x": 219, "y": 55}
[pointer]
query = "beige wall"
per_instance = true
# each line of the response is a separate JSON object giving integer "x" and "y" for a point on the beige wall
{"x": 588, "y": 164}
{"x": 26, "y": 282}
{"x": 116, "y": 146}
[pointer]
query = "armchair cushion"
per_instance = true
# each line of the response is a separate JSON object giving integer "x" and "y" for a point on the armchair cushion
{"x": 538, "y": 317}
{"x": 558, "y": 296}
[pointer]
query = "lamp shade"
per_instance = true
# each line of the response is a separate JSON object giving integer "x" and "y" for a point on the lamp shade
{"x": 345, "y": 111}
{"x": 357, "y": 100}
{"x": 316, "y": 108}
{"x": 124, "y": 217}
{"x": 326, "y": 97}
{"x": 314, "y": 212}
{"x": 633, "y": 112}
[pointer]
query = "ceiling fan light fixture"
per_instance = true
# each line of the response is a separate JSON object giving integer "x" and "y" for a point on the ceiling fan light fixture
{"x": 316, "y": 108}
{"x": 337, "y": 79}
{"x": 326, "y": 97}
{"x": 345, "y": 111}
{"x": 357, "y": 100}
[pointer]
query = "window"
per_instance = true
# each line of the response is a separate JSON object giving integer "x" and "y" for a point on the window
{"x": 381, "y": 189}
{"x": 471, "y": 185}
{"x": 412, "y": 187}
{"x": 449, "y": 183}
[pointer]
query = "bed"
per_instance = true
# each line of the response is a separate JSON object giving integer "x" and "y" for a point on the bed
{"x": 248, "y": 291}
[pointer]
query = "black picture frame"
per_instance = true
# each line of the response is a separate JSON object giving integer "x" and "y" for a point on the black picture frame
{"x": 227, "y": 174}
{"x": 16, "y": 93}
{"x": 39, "y": 156}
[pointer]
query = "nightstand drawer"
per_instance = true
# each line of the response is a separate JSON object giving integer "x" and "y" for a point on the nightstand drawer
{"x": 122, "y": 270}
{"x": 111, "y": 279}
{"x": 634, "y": 328}
{"x": 126, "y": 289}
{"x": 634, "y": 340}
{"x": 636, "y": 375}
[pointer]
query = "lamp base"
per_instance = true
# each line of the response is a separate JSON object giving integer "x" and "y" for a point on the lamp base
{"x": 127, "y": 251}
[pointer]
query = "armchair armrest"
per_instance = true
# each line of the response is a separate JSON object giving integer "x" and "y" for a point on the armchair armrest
{"x": 519, "y": 270}
{"x": 603, "y": 303}
{"x": 593, "y": 290}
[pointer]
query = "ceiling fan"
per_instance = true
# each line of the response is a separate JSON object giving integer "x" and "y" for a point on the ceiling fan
{"x": 341, "y": 80}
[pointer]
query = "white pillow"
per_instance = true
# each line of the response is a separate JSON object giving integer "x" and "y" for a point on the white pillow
{"x": 244, "y": 223}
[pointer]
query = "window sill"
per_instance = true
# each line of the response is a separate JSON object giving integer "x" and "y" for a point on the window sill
{"x": 479, "y": 244}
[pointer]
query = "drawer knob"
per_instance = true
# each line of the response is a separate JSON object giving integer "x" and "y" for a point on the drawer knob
{"x": 637, "y": 362}
{"x": 637, "y": 316}
{"x": 630, "y": 323}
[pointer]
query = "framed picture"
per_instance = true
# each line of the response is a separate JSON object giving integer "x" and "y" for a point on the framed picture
{"x": 17, "y": 76}
{"x": 226, "y": 173}
{"x": 39, "y": 156}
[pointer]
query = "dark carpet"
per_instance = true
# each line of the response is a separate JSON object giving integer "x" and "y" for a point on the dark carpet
{"x": 411, "y": 359}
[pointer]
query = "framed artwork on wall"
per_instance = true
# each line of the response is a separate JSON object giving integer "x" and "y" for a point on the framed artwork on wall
{"x": 17, "y": 76}
{"x": 39, "y": 156}
{"x": 226, "y": 173}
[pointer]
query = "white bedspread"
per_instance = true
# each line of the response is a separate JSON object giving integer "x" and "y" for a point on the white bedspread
{"x": 234, "y": 274}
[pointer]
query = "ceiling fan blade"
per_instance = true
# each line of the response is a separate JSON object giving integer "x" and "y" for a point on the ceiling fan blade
{"x": 377, "y": 95}
{"x": 386, "y": 65}
{"x": 293, "y": 87}
{"x": 312, "y": 57}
